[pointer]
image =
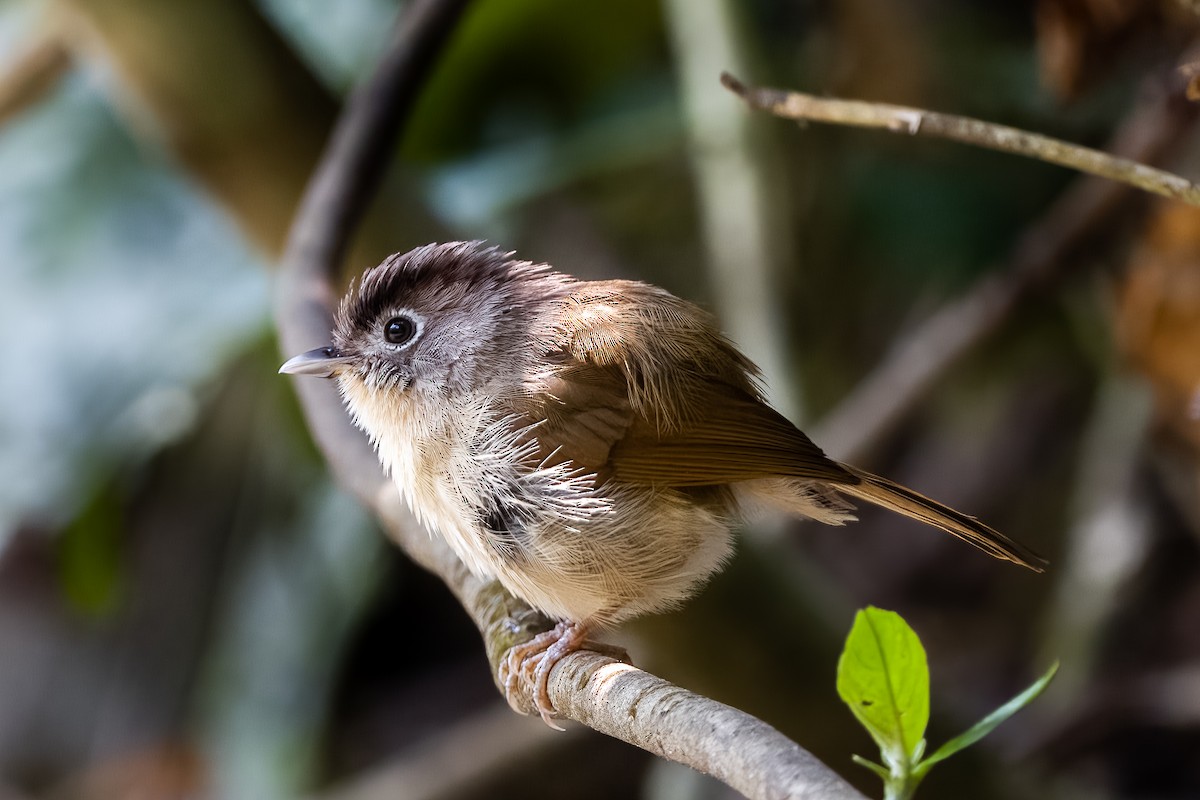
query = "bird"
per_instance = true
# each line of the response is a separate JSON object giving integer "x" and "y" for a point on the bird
{"x": 591, "y": 445}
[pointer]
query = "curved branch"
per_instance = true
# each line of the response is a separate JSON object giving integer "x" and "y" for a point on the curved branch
{"x": 902, "y": 119}
{"x": 730, "y": 745}
{"x": 610, "y": 697}
{"x": 342, "y": 185}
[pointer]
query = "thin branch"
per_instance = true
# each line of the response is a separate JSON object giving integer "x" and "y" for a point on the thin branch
{"x": 1042, "y": 256}
{"x": 1109, "y": 517}
{"x": 610, "y": 697}
{"x": 902, "y": 119}
{"x": 32, "y": 74}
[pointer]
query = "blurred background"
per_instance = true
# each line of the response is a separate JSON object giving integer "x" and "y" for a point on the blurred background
{"x": 188, "y": 606}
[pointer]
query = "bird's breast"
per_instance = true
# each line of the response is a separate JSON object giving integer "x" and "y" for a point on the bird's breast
{"x": 425, "y": 445}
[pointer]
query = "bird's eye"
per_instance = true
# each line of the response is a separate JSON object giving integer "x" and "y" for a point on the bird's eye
{"x": 399, "y": 330}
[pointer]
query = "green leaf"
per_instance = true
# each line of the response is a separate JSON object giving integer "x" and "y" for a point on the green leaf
{"x": 878, "y": 769}
{"x": 883, "y": 677}
{"x": 987, "y": 724}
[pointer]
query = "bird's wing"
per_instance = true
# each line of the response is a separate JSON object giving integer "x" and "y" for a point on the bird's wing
{"x": 645, "y": 389}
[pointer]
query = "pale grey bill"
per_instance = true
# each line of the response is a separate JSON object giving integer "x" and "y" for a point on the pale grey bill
{"x": 320, "y": 363}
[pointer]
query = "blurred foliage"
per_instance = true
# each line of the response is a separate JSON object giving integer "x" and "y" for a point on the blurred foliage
{"x": 518, "y": 69}
{"x": 89, "y": 553}
{"x": 106, "y": 251}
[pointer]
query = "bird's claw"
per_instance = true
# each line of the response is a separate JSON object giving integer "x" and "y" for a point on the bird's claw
{"x": 528, "y": 666}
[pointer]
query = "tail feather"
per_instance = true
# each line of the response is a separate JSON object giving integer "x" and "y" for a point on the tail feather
{"x": 903, "y": 500}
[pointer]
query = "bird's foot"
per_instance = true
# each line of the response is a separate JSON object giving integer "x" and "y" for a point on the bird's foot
{"x": 530, "y": 664}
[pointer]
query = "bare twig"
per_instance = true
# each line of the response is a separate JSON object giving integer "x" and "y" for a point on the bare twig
{"x": 610, "y": 697}
{"x": 644, "y": 710}
{"x": 33, "y": 73}
{"x": 902, "y": 119}
{"x": 1041, "y": 256}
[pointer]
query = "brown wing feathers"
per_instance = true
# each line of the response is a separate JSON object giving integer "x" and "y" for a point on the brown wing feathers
{"x": 735, "y": 437}
{"x": 649, "y": 392}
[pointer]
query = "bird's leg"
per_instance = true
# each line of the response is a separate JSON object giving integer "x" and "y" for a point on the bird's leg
{"x": 533, "y": 661}
{"x": 519, "y": 663}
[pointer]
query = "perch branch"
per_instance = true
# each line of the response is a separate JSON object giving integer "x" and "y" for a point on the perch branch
{"x": 610, "y": 697}
{"x": 732, "y": 746}
{"x": 902, "y": 119}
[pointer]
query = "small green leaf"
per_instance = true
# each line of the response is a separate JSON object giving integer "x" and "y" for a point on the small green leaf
{"x": 883, "y": 677}
{"x": 878, "y": 769}
{"x": 987, "y": 724}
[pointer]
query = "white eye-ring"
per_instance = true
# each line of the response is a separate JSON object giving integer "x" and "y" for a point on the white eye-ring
{"x": 402, "y": 328}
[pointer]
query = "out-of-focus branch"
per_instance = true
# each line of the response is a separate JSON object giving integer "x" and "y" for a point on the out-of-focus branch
{"x": 342, "y": 186}
{"x": 349, "y": 174}
{"x": 32, "y": 73}
{"x": 740, "y": 200}
{"x": 7, "y": 792}
{"x": 435, "y": 769}
{"x": 610, "y": 697}
{"x": 1109, "y": 540}
{"x": 881, "y": 401}
{"x": 902, "y": 119}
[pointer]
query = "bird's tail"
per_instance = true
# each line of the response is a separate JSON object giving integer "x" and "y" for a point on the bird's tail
{"x": 903, "y": 500}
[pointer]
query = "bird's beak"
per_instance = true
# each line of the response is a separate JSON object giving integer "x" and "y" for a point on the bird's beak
{"x": 320, "y": 363}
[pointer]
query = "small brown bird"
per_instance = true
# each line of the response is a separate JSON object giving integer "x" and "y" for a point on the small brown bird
{"x": 589, "y": 444}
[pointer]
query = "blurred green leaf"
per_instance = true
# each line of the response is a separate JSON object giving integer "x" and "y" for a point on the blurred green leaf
{"x": 494, "y": 84}
{"x": 987, "y": 724}
{"x": 89, "y": 554}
